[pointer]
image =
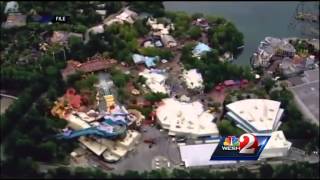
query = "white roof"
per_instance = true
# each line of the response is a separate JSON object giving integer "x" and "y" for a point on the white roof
{"x": 101, "y": 12}
{"x": 278, "y": 140}
{"x": 130, "y": 139}
{"x": 276, "y": 146}
{"x": 262, "y": 114}
{"x": 85, "y": 117}
{"x": 193, "y": 79}
{"x": 97, "y": 29}
{"x": 199, "y": 155}
{"x": 93, "y": 145}
{"x": 76, "y": 123}
{"x": 11, "y": 6}
{"x": 155, "y": 81}
{"x": 186, "y": 118}
{"x": 127, "y": 15}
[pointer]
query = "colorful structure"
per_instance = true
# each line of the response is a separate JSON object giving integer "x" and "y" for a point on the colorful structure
{"x": 107, "y": 129}
{"x": 109, "y": 102}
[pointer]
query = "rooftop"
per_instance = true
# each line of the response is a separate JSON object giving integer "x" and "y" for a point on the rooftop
{"x": 155, "y": 80}
{"x": 95, "y": 63}
{"x": 199, "y": 155}
{"x": 262, "y": 114}
{"x": 15, "y": 20}
{"x": 193, "y": 79}
{"x": 186, "y": 118}
{"x": 93, "y": 145}
{"x": 200, "y": 48}
{"x": 276, "y": 141}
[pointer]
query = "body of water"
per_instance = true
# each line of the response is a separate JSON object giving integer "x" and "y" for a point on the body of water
{"x": 255, "y": 20}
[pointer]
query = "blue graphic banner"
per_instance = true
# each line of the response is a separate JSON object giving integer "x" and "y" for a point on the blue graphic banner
{"x": 245, "y": 147}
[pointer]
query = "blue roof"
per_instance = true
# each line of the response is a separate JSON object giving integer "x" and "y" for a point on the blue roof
{"x": 137, "y": 58}
{"x": 201, "y": 48}
{"x": 150, "y": 61}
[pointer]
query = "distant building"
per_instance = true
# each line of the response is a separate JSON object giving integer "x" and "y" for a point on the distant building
{"x": 62, "y": 37}
{"x": 112, "y": 150}
{"x": 256, "y": 115}
{"x": 277, "y": 146}
{"x": 272, "y": 47}
{"x": 310, "y": 61}
{"x": 148, "y": 61}
{"x": 291, "y": 67}
{"x": 200, "y": 49}
{"x": 193, "y": 79}
{"x": 186, "y": 119}
{"x": 155, "y": 81}
{"x": 201, "y": 22}
{"x": 125, "y": 16}
{"x": 93, "y": 30}
{"x": 97, "y": 63}
{"x": 153, "y": 41}
{"x": 168, "y": 41}
{"x": 15, "y": 20}
{"x": 102, "y": 13}
{"x": 75, "y": 122}
{"x": 159, "y": 29}
{"x": 128, "y": 16}
{"x": 11, "y": 7}
{"x": 198, "y": 155}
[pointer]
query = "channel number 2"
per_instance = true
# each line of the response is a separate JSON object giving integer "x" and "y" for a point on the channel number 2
{"x": 247, "y": 144}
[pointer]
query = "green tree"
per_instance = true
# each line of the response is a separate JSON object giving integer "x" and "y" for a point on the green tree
{"x": 197, "y": 15}
{"x": 154, "y": 97}
{"x": 179, "y": 173}
{"x": 266, "y": 171}
{"x": 268, "y": 84}
{"x": 151, "y": 51}
{"x": 132, "y": 174}
{"x": 194, "y": 32}
{"x": 226, "y": 128}
{"x": 119, "y": 78}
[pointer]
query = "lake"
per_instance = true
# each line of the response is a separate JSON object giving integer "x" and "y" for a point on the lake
{"x": 255, "y": 20}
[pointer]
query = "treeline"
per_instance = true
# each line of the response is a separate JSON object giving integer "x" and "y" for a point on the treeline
{"x": 225, "y": 37}
{"x": 293, "y": 171}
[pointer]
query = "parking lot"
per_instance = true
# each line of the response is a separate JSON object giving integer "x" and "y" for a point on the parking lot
{"x": 307, "y": 95}
{"x": 142, "y": 157}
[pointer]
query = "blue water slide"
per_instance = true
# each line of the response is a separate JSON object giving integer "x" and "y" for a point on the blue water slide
{"x": 96, "y": 131}
{"x": 114, "y": 122}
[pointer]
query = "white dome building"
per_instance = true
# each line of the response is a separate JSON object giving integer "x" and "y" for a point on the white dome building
{"x": 256, "y": 115}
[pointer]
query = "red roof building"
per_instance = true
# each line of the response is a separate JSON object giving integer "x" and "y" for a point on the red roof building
{"x": 218, "y": 88}
{"x": 72, "y": 98}
{"x": 95, "y": 63}
{"x": 229, "y": 82}
{"x": 244, "y": 81}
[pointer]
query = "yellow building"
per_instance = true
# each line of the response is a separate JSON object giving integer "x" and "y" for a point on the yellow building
{"x": 109, "y": 101}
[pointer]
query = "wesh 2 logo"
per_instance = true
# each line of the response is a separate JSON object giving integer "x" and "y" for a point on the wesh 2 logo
{"x": 246, "y": 147}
